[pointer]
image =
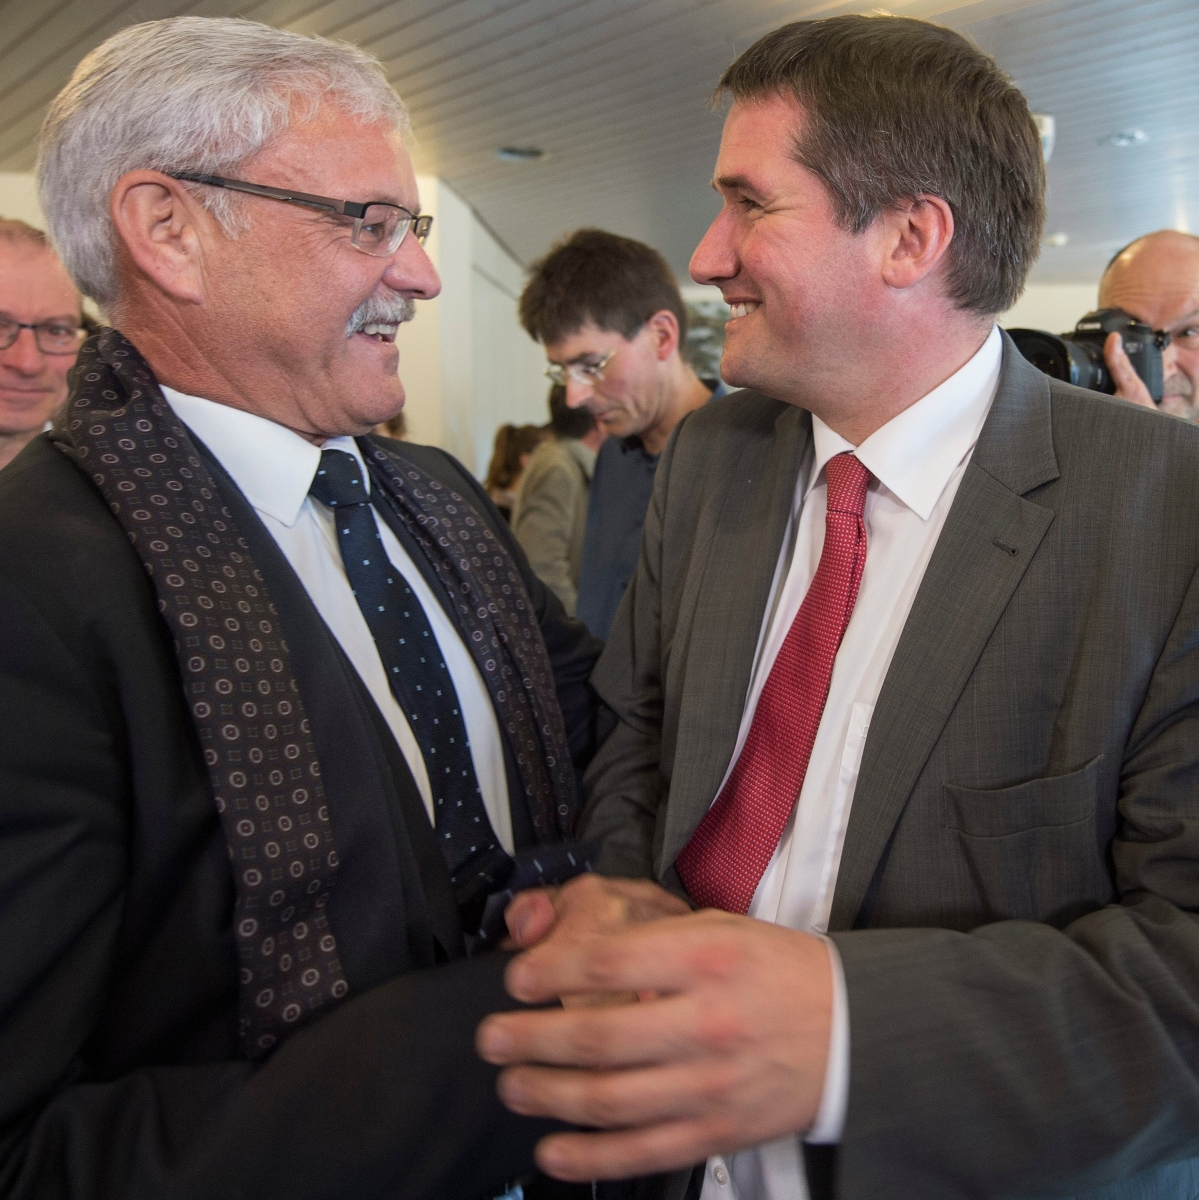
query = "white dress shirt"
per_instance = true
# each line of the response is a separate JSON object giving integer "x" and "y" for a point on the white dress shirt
{"x": 917, "y": 460}
{"x": 274, "y": 468}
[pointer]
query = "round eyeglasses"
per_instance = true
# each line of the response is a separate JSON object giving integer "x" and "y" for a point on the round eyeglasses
{"x": 378, "y": 228}
{"x": 51, "y": 337}
{"x": 581, "y": 372}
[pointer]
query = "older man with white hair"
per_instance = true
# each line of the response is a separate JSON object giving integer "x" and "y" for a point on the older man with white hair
{"x": 287, "y": 717}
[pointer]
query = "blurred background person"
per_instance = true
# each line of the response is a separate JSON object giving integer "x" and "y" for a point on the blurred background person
{"x": 607, "y": 310}
{"x": 1156, "y": 280}
{"x": 549, "y": 518}
{"x": 40, "y": 334}
{"x": 514, "y": 445}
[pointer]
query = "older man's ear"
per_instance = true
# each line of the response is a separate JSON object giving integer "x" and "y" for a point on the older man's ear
{"x": 162, "y": 230}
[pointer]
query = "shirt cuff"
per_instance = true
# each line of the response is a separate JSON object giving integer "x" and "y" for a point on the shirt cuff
{"x": 834, "y": 1100}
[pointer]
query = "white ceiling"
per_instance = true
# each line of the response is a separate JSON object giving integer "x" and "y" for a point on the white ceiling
{"x": 616, "y": 91}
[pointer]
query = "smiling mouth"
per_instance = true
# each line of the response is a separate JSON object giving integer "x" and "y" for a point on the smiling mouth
{"x": 741, "y": 309}
{"x": 380, "y": 332}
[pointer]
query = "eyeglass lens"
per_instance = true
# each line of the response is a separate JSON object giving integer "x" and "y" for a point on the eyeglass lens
{"x": 383, "y": 226}
{"x": 51, "y": 337}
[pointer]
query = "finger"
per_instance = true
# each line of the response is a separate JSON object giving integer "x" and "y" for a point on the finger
{"x": 621, "y": 1099}
{"x": 530, "y": 916}
{"x": 625, "y": 1036}
{"x": 1129, "y": 385}
{"x": 662, "y": 955}
{"x": 579, "y": 1157}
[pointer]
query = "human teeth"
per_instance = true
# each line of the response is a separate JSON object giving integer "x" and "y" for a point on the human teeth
{"x": 376, "y": 330}
{"x": 742, "y": 309}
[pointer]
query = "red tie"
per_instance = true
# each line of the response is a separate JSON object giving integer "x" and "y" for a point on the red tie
{"x": 724, "y": 860}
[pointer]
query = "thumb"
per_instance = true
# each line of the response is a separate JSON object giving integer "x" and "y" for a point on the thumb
{"x": 530, "y": 916}
{"x": 1129, "y": 385}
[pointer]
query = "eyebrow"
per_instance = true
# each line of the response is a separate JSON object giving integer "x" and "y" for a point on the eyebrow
{"x": 736, "y": 183}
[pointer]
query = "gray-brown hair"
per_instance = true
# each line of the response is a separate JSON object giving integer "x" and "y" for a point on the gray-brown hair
{"x": 898, "y": 108}
{"x": 185, "y": 94}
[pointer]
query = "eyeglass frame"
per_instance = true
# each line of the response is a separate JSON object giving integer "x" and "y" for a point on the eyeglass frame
{"x": 38, "y": 327}
{"x": 584, "y": 373}
{"x": 355, "y": 209}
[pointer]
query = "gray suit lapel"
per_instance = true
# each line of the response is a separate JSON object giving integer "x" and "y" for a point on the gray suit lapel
{"x": 988, "y": 540}
{"x": 729, "y": 604}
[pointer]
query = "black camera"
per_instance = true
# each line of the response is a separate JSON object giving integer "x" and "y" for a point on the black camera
{"x": 1077, "y": 357}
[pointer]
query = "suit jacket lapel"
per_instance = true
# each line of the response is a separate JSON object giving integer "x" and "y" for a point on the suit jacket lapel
{"x": 988, "y": 540}
{"x": 729, "y": 603}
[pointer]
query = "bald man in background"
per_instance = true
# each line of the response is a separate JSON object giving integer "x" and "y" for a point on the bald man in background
{"x": 36, "y": 291}
{"x": 1156, "y": 279}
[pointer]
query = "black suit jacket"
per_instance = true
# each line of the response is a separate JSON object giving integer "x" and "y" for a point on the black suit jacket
{"x": 119, "y": 1071}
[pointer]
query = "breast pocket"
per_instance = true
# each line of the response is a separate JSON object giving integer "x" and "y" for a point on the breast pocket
{"x": 1030, "y": 851}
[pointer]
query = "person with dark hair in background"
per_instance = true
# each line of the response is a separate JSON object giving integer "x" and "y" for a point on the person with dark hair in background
{"x": 40, "y": 335}
{"x": 549, "y": 518}
{"x": 908, "y": 695}
{"x": 1156, "y": 280}
{"x": 514, "y": 446}
{"x": 607, "y": 310}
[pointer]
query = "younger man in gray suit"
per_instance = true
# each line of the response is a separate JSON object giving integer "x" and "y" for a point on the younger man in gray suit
{"x": 909, "y": 672}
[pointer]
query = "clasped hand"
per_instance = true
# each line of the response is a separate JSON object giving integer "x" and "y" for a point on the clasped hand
{"x": 681, "y": 1035}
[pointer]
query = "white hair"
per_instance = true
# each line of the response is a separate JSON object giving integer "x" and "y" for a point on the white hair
{"x": 197, "y": 94}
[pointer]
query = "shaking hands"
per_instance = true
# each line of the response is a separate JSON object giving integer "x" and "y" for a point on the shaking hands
{"x": 681, "y": 1035}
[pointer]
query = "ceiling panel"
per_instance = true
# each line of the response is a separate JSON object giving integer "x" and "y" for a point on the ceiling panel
{"x": 616, "y": 92}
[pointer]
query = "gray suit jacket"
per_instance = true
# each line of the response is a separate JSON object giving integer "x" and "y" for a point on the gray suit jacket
{"x": 1016, "y": 910}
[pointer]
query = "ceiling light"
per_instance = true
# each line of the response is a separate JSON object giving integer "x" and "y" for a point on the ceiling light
{"x": 521, "y": 154}
{"x": 1126, "y": 137}
{"x": 1056, "y": 239}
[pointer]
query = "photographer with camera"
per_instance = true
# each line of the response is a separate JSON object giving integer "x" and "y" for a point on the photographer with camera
{"x": 1156, "y": 279}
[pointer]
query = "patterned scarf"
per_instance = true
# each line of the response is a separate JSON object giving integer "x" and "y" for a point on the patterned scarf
{"x": 240, "y": 689}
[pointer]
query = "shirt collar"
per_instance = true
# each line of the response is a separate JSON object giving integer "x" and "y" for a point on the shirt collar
{"x": 915, "y": 454}
{"x": 271, "y": 464}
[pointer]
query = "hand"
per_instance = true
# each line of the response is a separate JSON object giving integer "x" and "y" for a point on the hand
{"x": 731, "y": 1051}
{"x": 589, "y": 904}
{"x": 1129, "y": 385}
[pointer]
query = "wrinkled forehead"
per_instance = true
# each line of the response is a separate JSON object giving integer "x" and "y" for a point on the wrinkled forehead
{"x": 335, "y": 153}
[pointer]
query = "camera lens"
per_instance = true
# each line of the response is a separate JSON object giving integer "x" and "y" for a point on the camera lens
{"x": 1063, "y": 358}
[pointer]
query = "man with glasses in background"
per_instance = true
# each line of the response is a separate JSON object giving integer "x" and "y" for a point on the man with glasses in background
{"x": 287, "y": 717}
{"x": 614, "y": 327}
{"x": 1156, "y": 279}
{"x": 39, "y": 335}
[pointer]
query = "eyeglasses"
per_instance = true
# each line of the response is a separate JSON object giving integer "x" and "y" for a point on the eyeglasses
{"x": 52, "y": 337}
{"x": 580, "y": 372}
{"x": 378, "y": 228}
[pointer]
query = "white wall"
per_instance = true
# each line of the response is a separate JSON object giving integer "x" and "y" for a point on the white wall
{"x": 1053, "y": 307}
{"x": 467, "y": 365}
{"x": 18, "y": 198}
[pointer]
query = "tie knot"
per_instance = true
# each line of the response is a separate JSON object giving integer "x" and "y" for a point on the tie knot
{"x": 847, "y": 479}
{"x": 339, "y": 480}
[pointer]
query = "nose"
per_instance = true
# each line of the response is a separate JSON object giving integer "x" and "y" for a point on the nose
{"x": 410, "y": 271}
{"x": 23, "y": 356}
{"x": 577, "y": 393}
{"x": 715, "y": 258}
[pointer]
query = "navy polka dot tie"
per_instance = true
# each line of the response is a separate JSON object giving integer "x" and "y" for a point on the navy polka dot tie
{"x": 419, "y": 679}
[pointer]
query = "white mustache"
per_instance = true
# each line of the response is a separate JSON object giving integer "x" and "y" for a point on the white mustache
{"x": 381, "y": 310}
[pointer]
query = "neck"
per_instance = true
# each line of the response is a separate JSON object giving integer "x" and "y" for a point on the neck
{"x": 890, "y": 380}
{"x": 595, "y": 439}
{"x": 684, "y": 392}
{"x": 165, "y": 342}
